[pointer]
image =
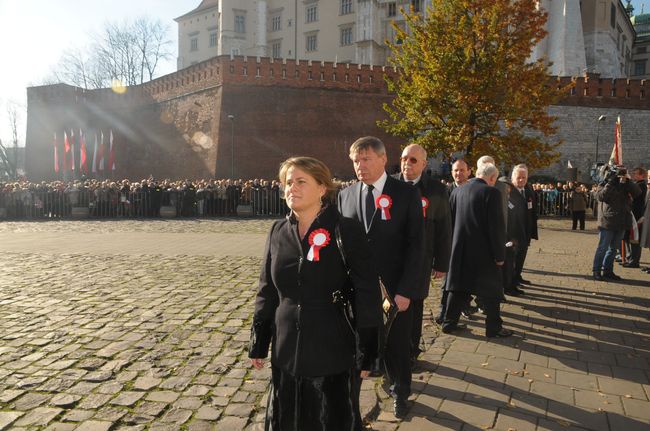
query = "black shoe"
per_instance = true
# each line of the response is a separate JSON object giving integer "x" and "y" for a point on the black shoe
{"x": 611, "y": 276}
{"x": 502, "y": 333}
{"x": 439, "y": 319}
{"x": 618, "y": 259}
{"x": 513, "y": 291}
{"x": 522, "y": 281}
{"x": 452, "y": 327}
{"x": 598, "y": 276}
{"x": 646, "y": 270}
{"x": 631, "y": 265}
{"x": 401, "y": 408}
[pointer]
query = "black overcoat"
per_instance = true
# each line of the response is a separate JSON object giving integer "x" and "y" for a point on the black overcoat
{"x": 294, "y": 306}
{"x": 518, "y": 230}
{"x": 397, "y": 244}
{"x": 478, "y": 240}
{"x": 437, "y": 230}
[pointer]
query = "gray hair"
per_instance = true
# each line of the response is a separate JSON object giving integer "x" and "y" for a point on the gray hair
{"x": 487, "y": 170}
{"x": 484, "y": 160}
{"x": 520, "y": 167}
{"x": 368, "y": 143}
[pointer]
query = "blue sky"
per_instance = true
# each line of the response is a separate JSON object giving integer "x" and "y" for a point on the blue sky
{"x": 34, "y": 33}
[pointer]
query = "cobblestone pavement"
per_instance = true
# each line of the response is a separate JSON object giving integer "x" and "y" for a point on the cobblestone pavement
{"x": 148, "y": 330}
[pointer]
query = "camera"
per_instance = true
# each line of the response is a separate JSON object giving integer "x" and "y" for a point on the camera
{"x": 607, "y": 173}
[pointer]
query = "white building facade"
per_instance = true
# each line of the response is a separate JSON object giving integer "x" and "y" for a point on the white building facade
{"x": 583, "y": 35}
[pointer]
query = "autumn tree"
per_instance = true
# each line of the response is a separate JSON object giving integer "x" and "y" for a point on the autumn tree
{"x": 465, "y": 81}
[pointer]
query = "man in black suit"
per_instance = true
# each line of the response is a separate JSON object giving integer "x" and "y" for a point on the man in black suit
{"x": 391, "y": 212}
{"x": 520, "y": 182}
{"x": 516, "y": 235}
{"x": 477, "y": 251}
{"x": 437, "y": 231}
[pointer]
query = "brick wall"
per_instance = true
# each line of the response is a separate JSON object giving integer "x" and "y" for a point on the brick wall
{"x": 177, "y": 125}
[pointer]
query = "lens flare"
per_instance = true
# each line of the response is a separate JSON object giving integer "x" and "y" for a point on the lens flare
{"x": 118, "y": 87}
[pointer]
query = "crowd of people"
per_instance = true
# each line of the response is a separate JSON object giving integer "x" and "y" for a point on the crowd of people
{"x": 145, "y": 198}
{"x": 206, "y": 198}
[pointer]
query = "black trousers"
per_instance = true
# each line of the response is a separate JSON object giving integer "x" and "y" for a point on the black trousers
{"x": 416, "y": 330}
{"x": 633, "y": 251}
{"x": 398, "y": 354}
{"x": 508, "y": 268}
{"x": 578, "y": 216}
{"x": 520, "y": 258}
{"x": 457, "y": 301}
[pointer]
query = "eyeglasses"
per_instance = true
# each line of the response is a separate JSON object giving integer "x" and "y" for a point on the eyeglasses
{"x": 409, "y": 159}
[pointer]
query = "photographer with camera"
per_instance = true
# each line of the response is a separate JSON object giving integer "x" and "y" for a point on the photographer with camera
{"x": 614, "y": 195}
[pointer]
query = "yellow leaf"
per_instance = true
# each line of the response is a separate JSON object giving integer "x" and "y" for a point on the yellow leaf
{"x": 628, "y": 396}
{"x": 548, "y": 376}
{"x": 484, "y": 364}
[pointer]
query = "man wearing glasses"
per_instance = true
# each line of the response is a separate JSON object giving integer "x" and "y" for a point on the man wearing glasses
{"x": 437, "y": 232}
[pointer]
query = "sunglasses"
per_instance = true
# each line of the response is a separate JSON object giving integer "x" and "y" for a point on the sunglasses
{"x": 409, "y": 159}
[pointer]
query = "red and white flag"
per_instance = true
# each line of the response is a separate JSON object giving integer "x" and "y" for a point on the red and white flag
{"x": 66, "y": 150}
{"x": 111, "y": 154}
{"x": 617, "y": 151}
{"x": 56, "y": 155}
{"x": 95, "y": 156}
{"x": 72, "y": 150}
{"x": 83, "y": 164}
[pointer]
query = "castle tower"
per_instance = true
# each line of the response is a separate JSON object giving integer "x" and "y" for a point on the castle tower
{"x": 564, "y": 46}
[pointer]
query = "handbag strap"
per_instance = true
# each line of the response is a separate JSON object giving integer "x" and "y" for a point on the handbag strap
{"x": 339, "y": 243}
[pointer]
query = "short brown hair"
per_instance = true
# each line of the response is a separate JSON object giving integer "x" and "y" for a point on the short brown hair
{"x": 368, "y": 143}
{"x": 316, "y": 169}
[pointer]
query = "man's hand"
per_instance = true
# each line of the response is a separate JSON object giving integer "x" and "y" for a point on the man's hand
{"x": 438, "y": 274}
{"x": 257, "y": 363}
{"x": 365, "y": 374}
{"x": 402, "y": 302}
{"x": 500, "y": 263}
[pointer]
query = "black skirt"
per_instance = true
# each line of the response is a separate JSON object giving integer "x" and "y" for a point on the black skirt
{"x": 328, "y": 403}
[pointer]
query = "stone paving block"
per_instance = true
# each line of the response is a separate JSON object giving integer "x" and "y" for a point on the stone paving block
{"x": 514, "y": 420}
{"x": 7, "y": 418}
{"x": 201, "y": 425}
{"x": 598, "y": 401}
{"x": 619, "y": 422}
{"x": 78, "y": 415}
{"x": 445, "y": 388}
{"x": 485, "y": 377}
{"x": 127, "y": 398}
{"x": 582, "y": 417}
{"x": 637, "y": 408}
{"x": 232, "y": 423}
{"x": 487, "y": 396}
{"x": 95, "y": 426}
{"x": 30, "y": 401}
{"x": 553, "y": 392}
{"x": 60, "y": 426}
{"x": 473, "y": 414}
{"x": 498, "y": 351}
{"x": 39, "y": 416}
{"x": 167, "y": 397}
{"x": 94, "y": 401}
{"x": 464, "y": 358}
{"x": 621, "y": 387}
{"x": 576, "y": 380}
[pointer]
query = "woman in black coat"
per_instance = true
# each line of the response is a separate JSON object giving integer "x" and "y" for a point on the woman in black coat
{"x": 315, "y": 378}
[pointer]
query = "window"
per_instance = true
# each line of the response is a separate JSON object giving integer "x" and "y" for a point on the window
{"x": 392, "y": 9}
{"x": 346, "y": 36}
{"x": 312, "y": 13}
{"x": 416, "y": 5}
{"x": 213, "y": 39}
{"x": 641, "y": 50}
{"x": 234, "y": 51}
{"x": 639, "y": 67}
{"x": 346, "y": 7}
{"x": 240, "y": 24}
{"x": 276, "y": 23}
{"x": 194, "y": 44}
{"x": 312, "y": 43}
{"x": 612, "y": 18}
{"x": 277, "y": 49}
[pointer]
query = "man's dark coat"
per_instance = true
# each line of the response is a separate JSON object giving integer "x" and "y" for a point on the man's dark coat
{"x": 437, "y": 230}
{"x": 397, "y": 244}
{"x": 478, "y": 240}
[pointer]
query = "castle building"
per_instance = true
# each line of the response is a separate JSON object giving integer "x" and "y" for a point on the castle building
{"x": 641, "y": 56}
{"x": 586, "y": 36}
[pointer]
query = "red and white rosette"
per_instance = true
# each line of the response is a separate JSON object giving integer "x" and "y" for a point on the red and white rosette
{"x": 317, "y": 240}
{"x": 425, "y": 205}
{"x": 384, "y": 202}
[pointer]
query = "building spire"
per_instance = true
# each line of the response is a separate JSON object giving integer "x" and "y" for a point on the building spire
{"x": 629, "y": 8}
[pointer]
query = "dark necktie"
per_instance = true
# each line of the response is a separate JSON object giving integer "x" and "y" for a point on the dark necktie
{"x": 409, "y": 182}
{"x": 370, "y": 205}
